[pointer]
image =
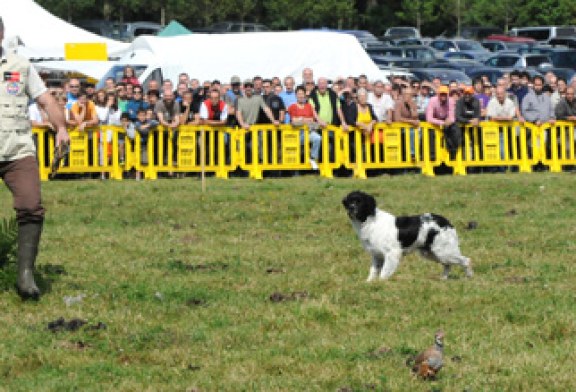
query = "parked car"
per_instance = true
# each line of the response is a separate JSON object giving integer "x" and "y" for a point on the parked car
{"x": 131, "y": 30}
{"x": 104, "y": 28}
{"x": 232, "y": 27}
{"x": 564, "y": 73}
{"x": 401, "y": 32}
{"x": 563, "y": 58}
{"x": 493, "y": 74}
{"x": 499, "y": 46}
{"x": 416, "y": 52}
{"x": 445, "y": 75}
{"x": 407, "y": 41}
{"x": 510, "y": 38}
{"x": 543, "y": 33}
{"x": 458, "y": 55}
{"x": 462, "y": 64}
{"x": 460, "y": 45}
{"x": 516, "y": 60}
{"x": 569, "y": 42}
{"x": 479, "y": 32}
{"x": 121, "y": 31}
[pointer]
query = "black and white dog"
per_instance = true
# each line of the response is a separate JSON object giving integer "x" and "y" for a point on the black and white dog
{"x": 387, "y": 237}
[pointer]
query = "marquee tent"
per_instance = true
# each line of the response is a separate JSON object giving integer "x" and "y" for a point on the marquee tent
{"x": 39, "y": 35}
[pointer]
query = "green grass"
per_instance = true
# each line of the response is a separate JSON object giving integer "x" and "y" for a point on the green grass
{"x": 183, "y": 281}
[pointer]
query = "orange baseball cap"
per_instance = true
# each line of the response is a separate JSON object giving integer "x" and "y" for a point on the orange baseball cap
{"x": 443, "y": 90}
{"x": 469, "y": 90}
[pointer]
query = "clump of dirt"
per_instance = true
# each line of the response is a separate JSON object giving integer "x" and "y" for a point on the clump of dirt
{"x": 275, "y": 270}
{"x": 472, "y": 225}
{"x": 294, "y": 296}
{"x": 192, "y": 302}
{"x": 72, "y": 325}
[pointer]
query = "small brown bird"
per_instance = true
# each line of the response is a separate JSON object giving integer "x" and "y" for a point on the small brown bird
{"x": 428, "y": 363}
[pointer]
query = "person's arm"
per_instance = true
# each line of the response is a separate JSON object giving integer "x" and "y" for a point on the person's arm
{"x": 451, "y": 119}
{"x": 93, "y": 121}
{"x": 341, "y": 116}
{"x": 268, "y": 113}
{"x": 430, "y": 114}
{"x": 184, "y": 116}
{"x": 56, "y": 116}
{"x": 240, "y": 119}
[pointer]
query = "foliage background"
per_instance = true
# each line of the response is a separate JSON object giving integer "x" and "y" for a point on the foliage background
{"x": 436, "y": 16}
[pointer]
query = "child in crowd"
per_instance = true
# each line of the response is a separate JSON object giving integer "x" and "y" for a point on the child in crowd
{"x": 145, "y": 121}
{"x": 129, "y": 128}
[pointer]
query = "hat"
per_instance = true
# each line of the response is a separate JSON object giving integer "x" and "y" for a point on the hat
{"x": 235, "y": 80}
{"x": 248, "y": 81}
{"x": 468, "y": 90}
{"x": 443, "y": 90}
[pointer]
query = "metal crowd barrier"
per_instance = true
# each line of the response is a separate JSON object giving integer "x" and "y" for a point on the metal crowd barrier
{"x": 265, "y": 147}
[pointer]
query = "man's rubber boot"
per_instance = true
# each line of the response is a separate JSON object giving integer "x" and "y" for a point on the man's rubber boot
{"x": 28, "y": 240}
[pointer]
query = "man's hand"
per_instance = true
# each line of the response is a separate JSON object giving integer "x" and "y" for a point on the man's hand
{"x": 62, "y": 136}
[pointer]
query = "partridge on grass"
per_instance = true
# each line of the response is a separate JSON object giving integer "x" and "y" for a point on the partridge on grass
{"x": 429, "y": 362}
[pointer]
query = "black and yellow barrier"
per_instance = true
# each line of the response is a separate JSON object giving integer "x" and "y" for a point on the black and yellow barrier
{"x": 265, "y": 147}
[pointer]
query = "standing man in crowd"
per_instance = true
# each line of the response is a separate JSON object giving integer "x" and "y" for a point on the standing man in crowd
{"x": 288, "y": 96}
{"x": 18, "y": 166}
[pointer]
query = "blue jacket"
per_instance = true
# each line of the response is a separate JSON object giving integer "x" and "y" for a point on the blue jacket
{"x": 133, "y": 107}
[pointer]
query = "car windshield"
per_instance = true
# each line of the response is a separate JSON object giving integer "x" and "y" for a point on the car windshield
{"x": 469, "y": 45}
{"x": 408, "y": 31}
{"x": 117, "y": 72}
{"x": 534, "y": 61}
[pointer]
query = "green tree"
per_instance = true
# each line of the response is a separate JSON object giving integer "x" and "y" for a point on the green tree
{"x": 418, "y": 12}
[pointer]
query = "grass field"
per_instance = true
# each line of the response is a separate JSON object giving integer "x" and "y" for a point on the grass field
{"x": 260, "y": 286}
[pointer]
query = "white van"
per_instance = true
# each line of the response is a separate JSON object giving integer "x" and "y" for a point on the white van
{"x": 543, "y": 33}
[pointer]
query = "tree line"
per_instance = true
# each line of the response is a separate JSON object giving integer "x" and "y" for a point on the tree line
{"x": 434, "y": 17}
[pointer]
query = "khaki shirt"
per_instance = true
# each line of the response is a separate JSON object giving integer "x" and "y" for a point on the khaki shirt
{"x": 15, "y": 87}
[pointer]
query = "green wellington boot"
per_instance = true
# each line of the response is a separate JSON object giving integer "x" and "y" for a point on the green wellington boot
{"x": 28, "y": 240}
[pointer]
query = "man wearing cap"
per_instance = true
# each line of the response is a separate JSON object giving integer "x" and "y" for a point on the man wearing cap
{"x": 468, "y": 112}
{"x": 440, "y": 112}
{"x": 18, "y": 165}
{"x": 231, "y": 97}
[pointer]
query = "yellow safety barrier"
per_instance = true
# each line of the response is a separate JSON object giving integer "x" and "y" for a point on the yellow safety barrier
{"x": 265, "y": 147}
{"x": 557, "y": 147}
{"x": 180, "y": 151}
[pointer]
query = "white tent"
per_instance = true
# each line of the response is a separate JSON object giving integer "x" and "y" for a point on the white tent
{"x": 268, "y": 54}
{"x": 42, "y": 35}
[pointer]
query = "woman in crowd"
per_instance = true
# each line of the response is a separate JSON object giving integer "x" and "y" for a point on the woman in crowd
{"x": 129, "y": 76}
{"x": 406, "y": 111}
{"x": 303, "y": 113}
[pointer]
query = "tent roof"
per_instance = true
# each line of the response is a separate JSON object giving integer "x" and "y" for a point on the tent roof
{"x": 173, "y": 28}
{"x": 42, "y": 34}
{"x": 268, "y": 54}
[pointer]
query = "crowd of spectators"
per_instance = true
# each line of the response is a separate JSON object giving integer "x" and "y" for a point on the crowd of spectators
{"x": 352, "y": 102}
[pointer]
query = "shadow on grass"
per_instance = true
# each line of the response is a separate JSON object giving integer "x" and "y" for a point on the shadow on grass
{"x": 46, "y": 275}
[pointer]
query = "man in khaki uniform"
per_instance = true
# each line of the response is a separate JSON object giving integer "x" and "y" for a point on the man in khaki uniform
{"x": 20, "y": 82}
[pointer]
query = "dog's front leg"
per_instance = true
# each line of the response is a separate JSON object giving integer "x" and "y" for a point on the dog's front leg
{"x": 391, "y": 261}
{"x": 375, "y": 268}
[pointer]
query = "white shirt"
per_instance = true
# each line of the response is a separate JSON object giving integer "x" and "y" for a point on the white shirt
{"x": 34, "y": 113}
{"x": 381, "y": 105}
{"x": 497, "y": 109}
